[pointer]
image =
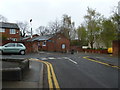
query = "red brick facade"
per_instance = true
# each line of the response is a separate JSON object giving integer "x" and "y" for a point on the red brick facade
{"x": 10, "y": 36}
{"x": 58, "y": 43}
{"x": 116, "y": 47}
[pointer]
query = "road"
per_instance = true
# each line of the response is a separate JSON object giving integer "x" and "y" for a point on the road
{"x": 81, "y": 70}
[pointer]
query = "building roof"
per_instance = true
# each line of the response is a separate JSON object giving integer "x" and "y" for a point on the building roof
{"x": 8, "y": 25}
{"x": 41, "y": 38}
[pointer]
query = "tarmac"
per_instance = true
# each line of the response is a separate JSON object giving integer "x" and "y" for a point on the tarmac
{"x": 32, "y": 78}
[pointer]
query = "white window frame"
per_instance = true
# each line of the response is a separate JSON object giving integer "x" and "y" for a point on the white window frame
{"x": 2, "y": 29}
{"x": 63, "y": 46}
{"x": 12, "y": 31}
{"x": 44, "y": 43}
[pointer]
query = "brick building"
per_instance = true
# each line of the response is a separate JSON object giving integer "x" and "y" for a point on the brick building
{"x": 57, "y": 42}
{"x": 9, "y": 31}
{"x": 116, "y": 47}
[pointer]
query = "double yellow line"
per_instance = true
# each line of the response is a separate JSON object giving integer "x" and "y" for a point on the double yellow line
{"x": 52, "y": 80}
{"x": 107, "y": 64}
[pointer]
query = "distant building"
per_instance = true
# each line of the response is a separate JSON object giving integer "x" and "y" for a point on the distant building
{"x": 53, "y": 42}
{"x": 10, "y": 31}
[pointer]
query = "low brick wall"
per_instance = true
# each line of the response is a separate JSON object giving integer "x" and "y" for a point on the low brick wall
{"x": 79, "y": 49}
{"x": 95, "y": 51}
{"x": 76, "y": 48}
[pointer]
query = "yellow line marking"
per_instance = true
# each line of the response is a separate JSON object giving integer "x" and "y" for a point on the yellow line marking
{"x": 50, "y": 68}
{"x": 49, "y": 77}
{"x": 101, "y": 62}
{"x": 54, "y": 77}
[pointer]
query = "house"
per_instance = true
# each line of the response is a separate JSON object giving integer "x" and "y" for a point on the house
{"x": 28, "y": 37}
{"x": 9, "y": 31}
{"x": 53, "y": 42}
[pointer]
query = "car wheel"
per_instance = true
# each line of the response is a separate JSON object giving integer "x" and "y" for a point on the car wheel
{"x": 22, "y": 52}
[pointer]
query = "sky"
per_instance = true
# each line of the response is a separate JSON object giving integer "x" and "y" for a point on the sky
{"x": 44, "y": 11}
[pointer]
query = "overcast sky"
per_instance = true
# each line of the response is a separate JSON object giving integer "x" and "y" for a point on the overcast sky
{"x": 44, "y": 11}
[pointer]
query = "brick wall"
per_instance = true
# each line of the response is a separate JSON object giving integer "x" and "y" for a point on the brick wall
{"x": 76, "y": 48}
{"x": 116, "y": 47}
{"x": 8, "y": 35}
{"x": 55, "y": 44}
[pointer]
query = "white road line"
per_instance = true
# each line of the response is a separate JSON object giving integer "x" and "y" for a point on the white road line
{"x": 51, "y": 58}
{"x": 43, "y": 58}
{"x": 71, "y": 60}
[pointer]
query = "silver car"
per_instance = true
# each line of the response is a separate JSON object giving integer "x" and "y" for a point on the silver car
{"x": 13, "y": 48}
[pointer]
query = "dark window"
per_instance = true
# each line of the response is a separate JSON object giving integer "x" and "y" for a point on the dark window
{"x": 19, "y": 45}
{"x": 10, "y": 45}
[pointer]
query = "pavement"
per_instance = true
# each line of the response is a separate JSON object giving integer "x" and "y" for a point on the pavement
{"x": 32, "y": 78}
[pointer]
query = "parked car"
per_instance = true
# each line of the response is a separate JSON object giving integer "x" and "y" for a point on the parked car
{"x": 13, "y": 48}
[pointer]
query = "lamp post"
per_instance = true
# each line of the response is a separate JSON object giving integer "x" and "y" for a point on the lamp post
{"x": 31, "y": 26}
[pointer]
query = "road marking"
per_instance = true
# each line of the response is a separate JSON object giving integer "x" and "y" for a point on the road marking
{"x": 71, "y": 60}
{"x": 51, "y": 58}
{"x": 43, "y": 58}
{"x": 51, "y": 74}
{"x": 54, "y": 76}
{"x": 107, "y": 64}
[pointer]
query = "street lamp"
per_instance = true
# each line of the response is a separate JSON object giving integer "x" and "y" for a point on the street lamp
{"x": 31, "y": 26}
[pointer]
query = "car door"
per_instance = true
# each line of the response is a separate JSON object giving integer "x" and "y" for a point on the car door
{"x": 9, "y": 48}
{"x": 18, "y": 47}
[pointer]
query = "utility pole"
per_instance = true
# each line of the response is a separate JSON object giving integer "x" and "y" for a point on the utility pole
{"x": 31, "y": 27}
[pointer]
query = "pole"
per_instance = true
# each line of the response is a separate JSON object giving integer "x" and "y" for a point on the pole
{"x": 31, "y": 27}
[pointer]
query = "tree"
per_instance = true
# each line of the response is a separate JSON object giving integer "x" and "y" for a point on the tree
{"x": 42, "y": 30}
{"x": 82, "y": 35}
{"x": 116, "y": 20}
{"x": 24, "y": 28}
{"x": 92, "y": 18}
{"x": 67, "y": 25}
{"x": 3, "y": 19}
{"x": 55, "y": 26}
{"x": 108, "y": 33}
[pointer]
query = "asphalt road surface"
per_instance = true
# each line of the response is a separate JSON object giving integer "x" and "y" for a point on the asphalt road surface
{"x": 81, "y": 70}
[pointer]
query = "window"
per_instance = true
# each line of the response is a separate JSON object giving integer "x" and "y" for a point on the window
{"x": 63, "y": 46}
{"x": 10, "y": 45}
{"x": 44, "y": 43}
{"x": 12, "y": 31}
{"x": 19, "y": 45}
{"x": 13, "y": 39}
{"x": 2, "y": 30}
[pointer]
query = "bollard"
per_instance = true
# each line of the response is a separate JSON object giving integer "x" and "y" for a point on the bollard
{"x": 72, "y": 51}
